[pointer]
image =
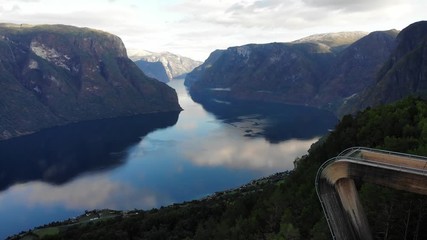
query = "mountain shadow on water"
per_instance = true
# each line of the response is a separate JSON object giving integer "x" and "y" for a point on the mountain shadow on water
{"x": 57, "y": 155}
{"x": 275, "y": 122}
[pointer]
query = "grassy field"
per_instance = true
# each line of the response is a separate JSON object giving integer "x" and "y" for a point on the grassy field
{"x": 46, "y": 231}
{"x": 87, "y": 217}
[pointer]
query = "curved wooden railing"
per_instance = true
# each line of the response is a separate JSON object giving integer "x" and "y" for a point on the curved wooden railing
{"x": 338, "y": 194}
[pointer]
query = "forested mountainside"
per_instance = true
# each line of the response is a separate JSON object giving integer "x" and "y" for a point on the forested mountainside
{"x": 285, "y": 205}
{"x": 277, "y": 72}
{"x": 54, "y": 74}
{"x": 378, "y": 68}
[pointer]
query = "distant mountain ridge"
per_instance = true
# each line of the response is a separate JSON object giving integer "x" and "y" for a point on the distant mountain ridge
{"x": 278, "y": 72}
{"x": 320, "y": 70}
{"x": 335, "y": 41}
{"x": 163, "y": 66}
{"x": 55, "y": 74}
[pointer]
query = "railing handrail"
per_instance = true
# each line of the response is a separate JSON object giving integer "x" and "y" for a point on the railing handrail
{"x": 346, "y": 155}
{"x": 353, "y": 149}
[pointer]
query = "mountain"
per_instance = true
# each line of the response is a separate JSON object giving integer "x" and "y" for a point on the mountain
{"x": 325, "y": 71}
{"x": 355, "y": 68}
{"x": 153, "y": 69}
{"x": 403, "y": 74}
{"x": 197, "y": 72}
{"x": 334, "y": 41}
{"x": 55, "y": 74}
{"x": 320, "y": 70}
{"x": 276, "y": 72}
{"x": 163, "y": 66}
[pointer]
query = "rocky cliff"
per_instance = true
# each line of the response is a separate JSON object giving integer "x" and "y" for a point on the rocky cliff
{"x": 153, "y": 69}
{"x": 404, "y": 73}
{"x": 199, "y": 71}
{"x": 55, "y": 74}
{"x": 164, "y": 66}
{"x": 355, "y": 68}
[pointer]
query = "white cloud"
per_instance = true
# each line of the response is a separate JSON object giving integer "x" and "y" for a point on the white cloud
{"x": 229, "y": 23}
{"x": 196, "y": 28}
{"x": 353, "y": 6}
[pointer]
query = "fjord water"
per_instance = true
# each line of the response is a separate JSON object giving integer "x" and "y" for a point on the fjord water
{"x": 150, "y": 161}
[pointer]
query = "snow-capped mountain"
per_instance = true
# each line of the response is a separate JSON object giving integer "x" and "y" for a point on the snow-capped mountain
{"x": 174, "y": 66}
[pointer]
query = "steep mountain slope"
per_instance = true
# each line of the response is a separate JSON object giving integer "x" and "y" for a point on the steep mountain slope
{"x": 174, "y": 66}
{"x": 281, "y": 72}
{"x": 153, "y": 69}
{"x": 355, "y": 68}
{"x": 320, "y": 70}
{"x": 54, "y": 74}
{"x": 198, "y": 72}
{"x": 403, "y": 74}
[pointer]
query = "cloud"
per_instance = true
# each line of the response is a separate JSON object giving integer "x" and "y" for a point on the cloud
{"x": 279, "y": 14}
{"x": 196, "y": 28}
{"x": 9, "y": 9}
{"x": 91, "y": 192}
{"x": 353, "y": 6}
{"x": 220, "y": 24}
{"x": 249, "y": 14}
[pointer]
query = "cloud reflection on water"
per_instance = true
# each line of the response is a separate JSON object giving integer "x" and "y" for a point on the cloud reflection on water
{"x": 204, "y": 152}
{"x": 256, "y": 154}
{"x": 91, "y": 192}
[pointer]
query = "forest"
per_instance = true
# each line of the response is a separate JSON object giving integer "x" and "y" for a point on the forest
{"x": 285, "y": 205}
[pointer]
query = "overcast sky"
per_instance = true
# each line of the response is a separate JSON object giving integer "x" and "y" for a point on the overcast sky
{"x": 194, "y": 28}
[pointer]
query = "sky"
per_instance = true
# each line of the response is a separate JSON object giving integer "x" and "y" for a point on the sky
{"x": 195, "y": 28}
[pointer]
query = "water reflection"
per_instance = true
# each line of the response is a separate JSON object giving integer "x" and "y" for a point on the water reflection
{"x": 32, "y": 204}
{"x": 57, "y": 155}
{"x": 257, "y": 154}
{"x": 89, "y": 192}
{"x": 56, "y": 174}
{"x": 272, "y": 121}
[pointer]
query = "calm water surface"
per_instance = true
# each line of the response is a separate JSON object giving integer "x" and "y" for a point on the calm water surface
{"x": 149, "y": 161}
